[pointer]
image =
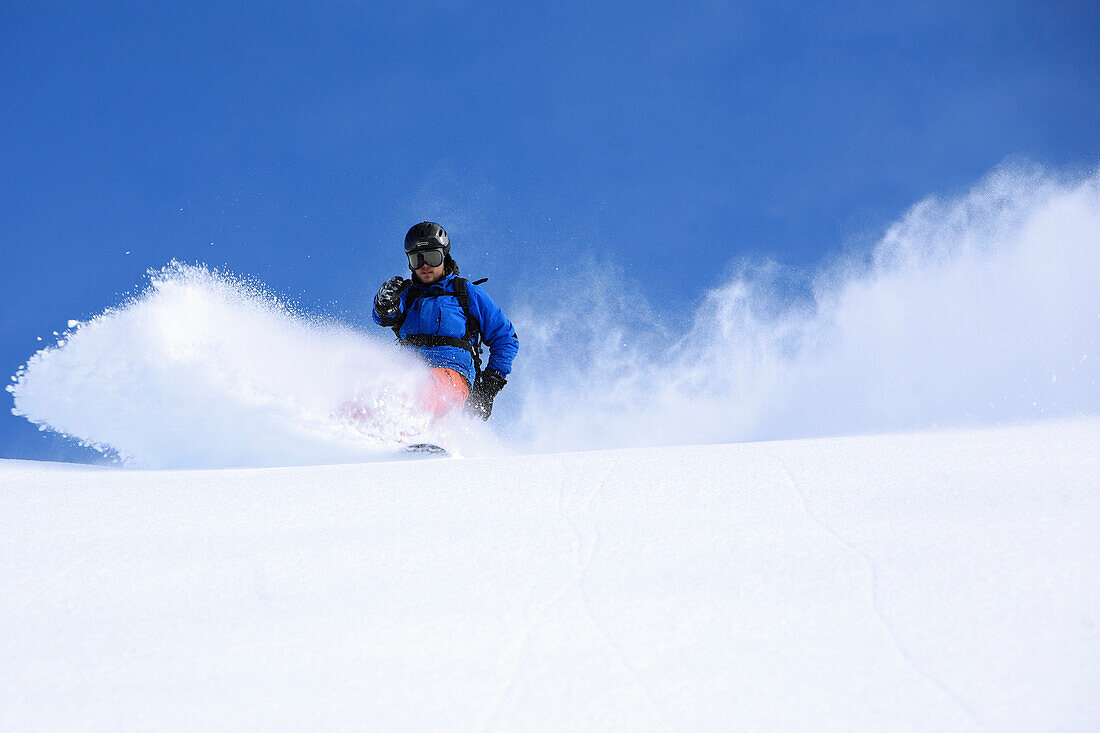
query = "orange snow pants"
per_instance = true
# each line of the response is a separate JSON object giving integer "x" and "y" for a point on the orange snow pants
{"x": 444, "y": 391}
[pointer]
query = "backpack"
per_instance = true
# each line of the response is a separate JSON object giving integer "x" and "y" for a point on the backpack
{"x": 470, "y": 341}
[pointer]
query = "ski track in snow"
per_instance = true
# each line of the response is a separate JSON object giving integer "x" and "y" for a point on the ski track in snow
{"x": 533, "y": 620}
{"x": 585, "y": 546}
{"x": 584, "y": 564}
{"x": 876, "y": 601}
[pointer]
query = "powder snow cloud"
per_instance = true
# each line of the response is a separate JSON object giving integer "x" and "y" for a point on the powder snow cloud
{"x": 981, "y": 308}
{"x": 975, "y": 309}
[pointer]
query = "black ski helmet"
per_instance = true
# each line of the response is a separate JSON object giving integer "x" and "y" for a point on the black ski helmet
{"x": 427, "y": 235}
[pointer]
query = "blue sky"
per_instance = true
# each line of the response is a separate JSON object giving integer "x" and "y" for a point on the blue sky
{"x": 297, "y": 142}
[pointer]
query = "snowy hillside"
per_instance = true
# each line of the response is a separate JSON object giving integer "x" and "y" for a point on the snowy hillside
{"x": 935, "y": 581}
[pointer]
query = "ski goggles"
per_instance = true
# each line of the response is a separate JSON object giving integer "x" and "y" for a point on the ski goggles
{"x": 429, "y": 257}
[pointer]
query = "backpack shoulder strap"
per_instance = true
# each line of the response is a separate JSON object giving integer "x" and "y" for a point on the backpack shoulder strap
{"x": 473, "y": 327}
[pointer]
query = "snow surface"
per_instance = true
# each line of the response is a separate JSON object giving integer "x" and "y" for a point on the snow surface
{"x": 925, "y": 581}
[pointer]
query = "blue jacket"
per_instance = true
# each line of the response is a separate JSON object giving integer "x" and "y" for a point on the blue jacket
{"x": 443, "y": 316}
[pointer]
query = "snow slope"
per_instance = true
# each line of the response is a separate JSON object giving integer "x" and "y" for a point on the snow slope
{"x": 926, "y": 581}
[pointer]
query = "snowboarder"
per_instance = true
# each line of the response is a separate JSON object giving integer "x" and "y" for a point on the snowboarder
{"x": 445, "y": 318}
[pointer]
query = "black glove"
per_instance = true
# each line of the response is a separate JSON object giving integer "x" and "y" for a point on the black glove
{"x": 486, "y": 386}
{"x": 388, "y": 299}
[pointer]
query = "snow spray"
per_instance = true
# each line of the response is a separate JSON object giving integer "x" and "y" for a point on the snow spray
{"x": 204, "y": 369}
{"x": 979, "y": 309}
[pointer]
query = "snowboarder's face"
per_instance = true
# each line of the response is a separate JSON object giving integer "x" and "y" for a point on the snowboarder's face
{"x": 428, "y": 263}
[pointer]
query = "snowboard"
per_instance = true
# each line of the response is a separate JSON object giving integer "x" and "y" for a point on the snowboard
{"x": 427, "y": 449}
